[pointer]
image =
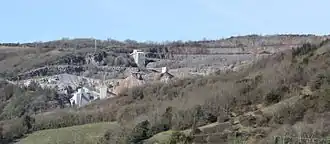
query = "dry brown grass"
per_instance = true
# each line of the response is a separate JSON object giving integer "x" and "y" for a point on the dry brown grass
{"x": 268, "y": 82}
{"x": 273, "y": 82}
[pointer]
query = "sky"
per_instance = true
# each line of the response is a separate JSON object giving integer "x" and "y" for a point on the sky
{"x": 159, "y": 20}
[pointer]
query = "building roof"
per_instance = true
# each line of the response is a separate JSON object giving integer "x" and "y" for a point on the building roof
{"x": 165, "y": 75}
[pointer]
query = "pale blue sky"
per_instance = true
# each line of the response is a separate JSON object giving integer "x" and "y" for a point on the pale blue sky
{"x": 159, "y": 20}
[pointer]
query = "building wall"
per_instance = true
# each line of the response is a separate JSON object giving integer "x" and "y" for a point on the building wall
{"x": 77, "y": 97}
{"x": 78, "y": 100}
{"x": 139, "y": 59}
{"x": 103, "y": 92}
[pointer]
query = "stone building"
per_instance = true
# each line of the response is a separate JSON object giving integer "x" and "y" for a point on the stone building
{"x": 139, "y": 58}
{"x": 135, "y": 79}
{"x": 164, "y": 76}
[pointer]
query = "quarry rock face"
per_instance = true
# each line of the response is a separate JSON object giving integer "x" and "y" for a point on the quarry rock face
{"x": 50, "y": 70}
{"x": 71, "y": 59}
{"x": 118, "y": 65}
{"x": 97, "y": 59}
{"x": 63, "y": 81}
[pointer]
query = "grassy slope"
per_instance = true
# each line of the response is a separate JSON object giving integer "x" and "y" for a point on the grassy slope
{"x": 299, "y": 109}
{"x": 83, "y": 134}
{"x": 278, "y": 73}
{"x": 262, "y": 84}
{"x": 19, "y": 59}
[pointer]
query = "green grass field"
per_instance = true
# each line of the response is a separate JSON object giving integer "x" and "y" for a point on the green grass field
{"x": 83, "y": 134}
{"x": 160, "y": 137}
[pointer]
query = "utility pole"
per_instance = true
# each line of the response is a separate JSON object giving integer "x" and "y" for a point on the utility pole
{"x": 95, "y": 46}
{"x": 75, "y": 48}
{"x": 38, "y": 53}
{"x": 36, "y": 47}
{"x": 17, "y": 80}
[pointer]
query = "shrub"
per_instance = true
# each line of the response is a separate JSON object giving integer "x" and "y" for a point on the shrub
{"x": 184, "y": 119}
{"x": 179, "y": 138}
{"x": 159, "y": 127}
{"x": 31, "y": 100}
{"x": 322, "y": 99}
{"x": 115, "y": 136}
{"x": 129, "y": 112}
{"x": 305, "y": 60}
{"x": 274, "y": 96}
{"x": 33, "y": 86}
{"x": 136, "y": 92}
{"x": 290, "y": 114}
{"x": 13, "y": 129}
{"x": 304, "y": 49}
{"x": 162, "y": 124}
{"x": 28, "y": 122}
{"x": 140, "y": 132}
{"x": 319, "y": 80}
{"x": 18, "y": 105}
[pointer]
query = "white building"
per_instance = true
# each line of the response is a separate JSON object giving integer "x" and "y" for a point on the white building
{"x": 103, "y": 92}
{"x": 164, "y": 70}
{"x": 82, "y": 97}
{"x": 164, "y": 76}
{"x": 139, "y": 57}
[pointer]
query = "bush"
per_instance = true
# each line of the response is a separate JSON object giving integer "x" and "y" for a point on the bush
{"x": 136, "y": 92}
{"x": 117, "y": 136}
{"x": 184, "y": 119}
{"x": 179, "y": 138}
{"x": 13, "y": 129}
{"x": 319, "y": 80}
{"x": 322, "y": 99}
{"x": 290, "y": 114}
{"x": 16, "y": 101}
{"x": 140, "y": 132}
{"x": 129, "y": 112}
{"x": 17, "y": 106}
{"x": 28, "y": 122}
{"x": 305, "y": 49}
{"x": 274, "y": 96}
{"x": 159, "y": 127}
{"x": 305, "y": 60}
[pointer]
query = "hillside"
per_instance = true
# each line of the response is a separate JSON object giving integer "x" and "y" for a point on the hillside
{"x": 284, "y": 95}
{"x": 281, "y": 93}
{"x": 26, "y": 57}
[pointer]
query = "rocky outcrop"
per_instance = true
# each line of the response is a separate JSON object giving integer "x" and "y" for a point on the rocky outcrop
{"x": 98, "y": 71}
{"x": 50, "y": 70}
{"x": 96, "y": 58}
{"x": 70, "y": 59}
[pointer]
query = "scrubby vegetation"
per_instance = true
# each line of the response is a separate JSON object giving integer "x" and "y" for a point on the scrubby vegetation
{"x": 281, "y": 89}
{"x": 17, "y": 101}
{"x": 16, "y": 58}
{"x": 243, "y": 41}
{"x": 285, "y": 94}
